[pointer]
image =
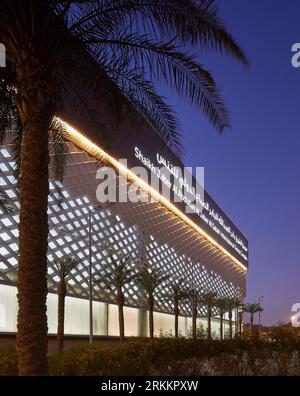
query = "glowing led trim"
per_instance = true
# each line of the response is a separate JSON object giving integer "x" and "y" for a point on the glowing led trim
{"x": 82, "y": 141}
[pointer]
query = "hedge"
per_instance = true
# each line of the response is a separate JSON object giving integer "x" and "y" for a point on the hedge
{"x": 134, "y": 357}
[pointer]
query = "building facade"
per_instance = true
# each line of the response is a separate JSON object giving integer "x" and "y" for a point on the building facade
{"x": 204, "y": 249}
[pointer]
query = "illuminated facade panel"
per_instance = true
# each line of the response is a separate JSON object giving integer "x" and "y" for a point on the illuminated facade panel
{"x": 168, "y": 241}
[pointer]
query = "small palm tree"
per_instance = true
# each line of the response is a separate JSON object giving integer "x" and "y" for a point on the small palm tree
{"x": 252, "y": 309}
{"x": 64, "y": 268}
{"x": 209, "y": 301}
{"x": 221, "y": 304}
{"x": 119, "y": 273}
{"x": 150, "y": 280}
{"x": 179, "y": 292}
{"x": 195, "y": 300}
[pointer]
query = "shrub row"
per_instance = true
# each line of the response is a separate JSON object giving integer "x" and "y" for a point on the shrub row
{"x": 8, "y": 361}
{"x": 135, "y": 357}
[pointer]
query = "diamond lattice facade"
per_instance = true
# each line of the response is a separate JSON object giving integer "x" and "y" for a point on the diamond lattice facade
{"x": 167, "y": 240}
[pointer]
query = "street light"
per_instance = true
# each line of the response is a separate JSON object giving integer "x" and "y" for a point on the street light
{"x": 91, "y": 334}
{"x": 259, "y": 314}
{"x": 91, "y": 211}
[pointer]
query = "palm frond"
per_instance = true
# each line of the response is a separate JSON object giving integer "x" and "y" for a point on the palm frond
{"x": 65, "y": 266}
{"x": 168, "y": 63}
{"x": 193, "y": 22}
{"x": 119, "y": 273}
{"x": 58, "y": 146}
{"x": 150, "y": 280}
{"x": 148, "y": 104}
{"x": 178, "y": 290}
{"x": 109, "y": 54}
{"x": 5, "y": 205}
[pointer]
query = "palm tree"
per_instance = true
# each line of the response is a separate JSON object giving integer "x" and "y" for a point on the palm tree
{"x": 221, "y": 304}
{"x": 150, "y": 281}
{"x": 64, "y": 268}
{"x": 178, "y": 293}
{"x": 252, "y": 309}
{"x": 115, "y": 277}
{"x": 195, "y": 299}
{"x": 56, "y": 51}
{"x": 209, "y": 300}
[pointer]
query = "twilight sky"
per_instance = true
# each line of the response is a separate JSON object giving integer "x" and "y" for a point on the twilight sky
{"x": 253, "y": 171}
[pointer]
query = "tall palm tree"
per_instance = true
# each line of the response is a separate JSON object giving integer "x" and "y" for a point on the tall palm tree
{"x": 209, "y": 301}
{"x": 64, "y": 268}
{"x": 120, "y": 273}
{"x": 150, "y": 281}
{"x": 252, "y": 309}
{"x": 56, "y": 51}
{"x": 178, "y": 293}
{"x": 195, "y": 300}
{"x": 221, "y": 304}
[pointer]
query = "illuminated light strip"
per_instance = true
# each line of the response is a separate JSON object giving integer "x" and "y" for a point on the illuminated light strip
{"x": 91, "y": 148}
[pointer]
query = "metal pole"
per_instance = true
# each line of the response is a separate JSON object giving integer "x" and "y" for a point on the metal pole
{"x": 259, "y": 317}
{"x": 90, "y": 279}
{"x": 236, "y": 315}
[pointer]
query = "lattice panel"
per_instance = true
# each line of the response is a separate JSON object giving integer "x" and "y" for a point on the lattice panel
{"x": 69, "y": 207}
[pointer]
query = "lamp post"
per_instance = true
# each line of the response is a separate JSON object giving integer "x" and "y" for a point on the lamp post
{"x": 91, "y": 331}
{"x": 237, "y": 301}
{"x": 90, "y": 272}
{"x": 91, "y": 327}
{"x": 259, "y": 314}
{"x": 236, "y": 314}
{"x": 91, "y": 335}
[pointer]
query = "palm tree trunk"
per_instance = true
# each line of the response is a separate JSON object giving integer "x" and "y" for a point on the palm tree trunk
{"x": 194, "y": 321}
{"x": 176, "y": 312}
{"x": 240, "y": 324}
{"x": 209, "y": 322}
{"x": 236, "y": 329}
{"x": 230, "y": 324}
{"x": 62, "y": 290}
{"x": 151, "y": 321}
{"x": 120, "y": 300}
{"x": 251, "y": 323}
{"x": 221, "y": 324}
{"x": 35, "y": 112}
{"x": 121, "y": 322}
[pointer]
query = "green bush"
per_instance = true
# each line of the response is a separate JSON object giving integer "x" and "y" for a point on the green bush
{"x": 135, "y": 357}
{"x": 142, "y": 357}
{"x": 285, "y": 337}
{"x": 99, "y": 360}
{"x": 8, "y": 361}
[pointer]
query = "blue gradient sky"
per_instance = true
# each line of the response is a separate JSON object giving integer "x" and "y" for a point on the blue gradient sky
{"x": 253, "y": 171}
